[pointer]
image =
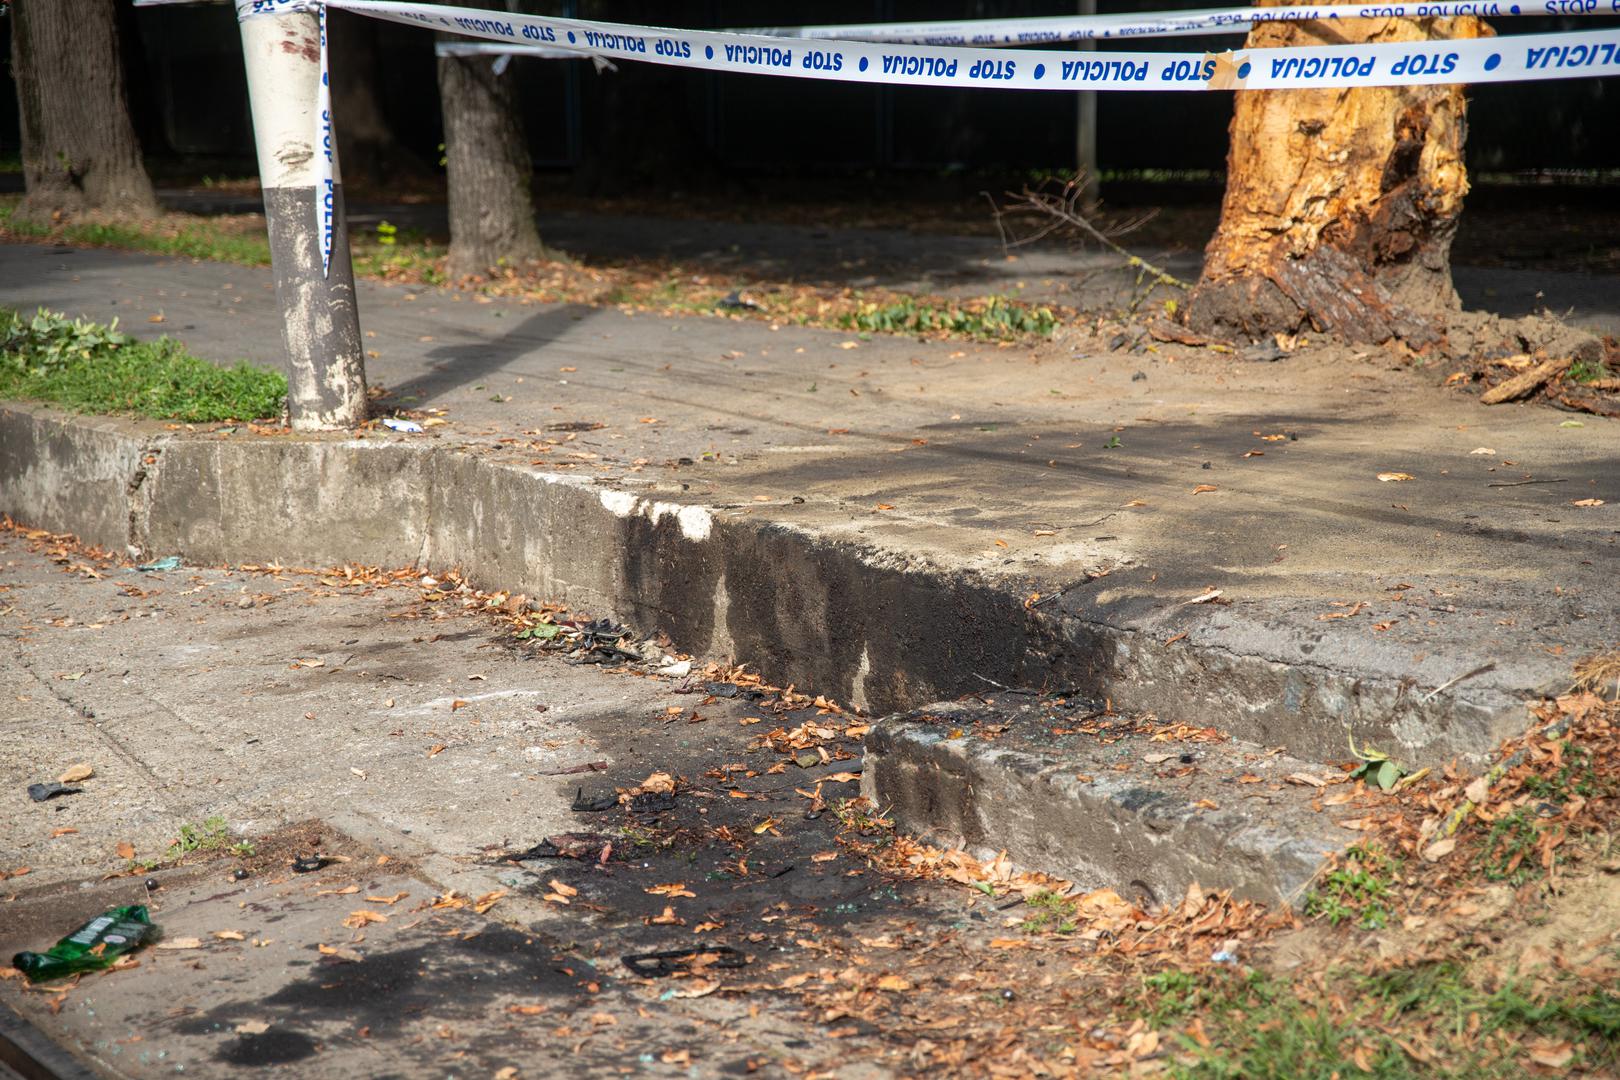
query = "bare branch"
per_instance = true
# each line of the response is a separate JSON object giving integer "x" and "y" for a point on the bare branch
{"x": 1063, "y": 209}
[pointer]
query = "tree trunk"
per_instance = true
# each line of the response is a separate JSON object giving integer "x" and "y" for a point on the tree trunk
{"x": 1340, "y": 204}
{"x": 367, "y": 144}
{"x": 78, "y": 146}
{"x": 488, "y": 165}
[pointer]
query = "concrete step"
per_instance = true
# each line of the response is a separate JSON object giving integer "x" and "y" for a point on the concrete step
{"x": 884, "y": 621}
{"x": 1107, "y": 800}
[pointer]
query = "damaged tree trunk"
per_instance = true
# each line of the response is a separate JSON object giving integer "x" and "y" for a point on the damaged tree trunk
{"x": 1340, "y": 205}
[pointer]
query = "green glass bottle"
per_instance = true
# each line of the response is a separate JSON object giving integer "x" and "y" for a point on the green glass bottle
{"x": 93, "y": 946}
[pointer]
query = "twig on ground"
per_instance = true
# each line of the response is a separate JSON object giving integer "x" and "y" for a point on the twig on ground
{"x": 1064, "y": 209}
{"x": 1521, "y": 483}
{"x": 1449, "y": 683}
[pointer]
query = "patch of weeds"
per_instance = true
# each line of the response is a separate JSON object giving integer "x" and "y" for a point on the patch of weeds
{"x": 1358, "y": 887}
{"x": 244, "y": 849}
{"x": 1441, "y": 997}
{"x": 859, "y": 815}
{"x": 95, "y": 368}
{"x": 1509, "y": 850}
{"x": 1588, "y": 371}
{"x": 211, "y": 835}
{"x": 1575, "y": 776}
{"x": 1051, "y": 913}
{"x": 995, "y": 318}
{"x": 399, "y": 254}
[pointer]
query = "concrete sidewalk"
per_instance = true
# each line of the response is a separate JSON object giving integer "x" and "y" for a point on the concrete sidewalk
{"x": 1056, "y": 271}
{"x": 894, "y": 523}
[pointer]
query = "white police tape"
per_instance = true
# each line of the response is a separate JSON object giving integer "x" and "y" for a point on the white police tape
{"x": 325, "y": 169}
{"x": 1037, "y": 30}
{"x": 1477, "y": 60}
{"x": 1474, "y": 60}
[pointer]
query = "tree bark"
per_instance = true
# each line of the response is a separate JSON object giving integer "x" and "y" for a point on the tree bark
{"x": 79, "y": 148}
{"x": 1340, "y": 205}
{"x": 367, "y": 144}
{"x": 489, "y": 169}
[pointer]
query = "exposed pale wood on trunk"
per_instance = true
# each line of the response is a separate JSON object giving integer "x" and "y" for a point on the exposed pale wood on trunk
{"x": 1340, "y": 205}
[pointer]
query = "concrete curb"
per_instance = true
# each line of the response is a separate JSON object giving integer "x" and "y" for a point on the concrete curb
{"x": 1110, "y": 808}
{"x": 864, "y": 625}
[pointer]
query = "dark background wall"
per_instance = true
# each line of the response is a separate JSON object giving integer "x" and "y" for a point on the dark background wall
{"x": 646, "y": 125}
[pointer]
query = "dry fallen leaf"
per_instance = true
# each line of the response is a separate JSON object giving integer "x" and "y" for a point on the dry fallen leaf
{"x": 1587, "y": 502}
{"x": 363, "y": 917}
{"x": 1305, "y": 779}
{"x": 696, "y": 988}
{"x": 64, "y": 831}
{"x": 894, "y": 984}
{"x": 488, "y": 900}
{"x": 1394, "y": 477}
{"x": 75, "y": 773}
{"x": 125, "y": 849}
{"x": 230, "y": 935}
{"x": 565, "y": 890}
{"x": 435, "y": 750}
{"x": 396, "y": 898}
{"x": 346, "y": 955}
{"x": 1439, "y": 849}
{"x": 659, "y": 783}
{"x": 252, "y": 1027}
{"x": 180, "y": 943}
{"x": 672, "y": 890}
{"x": 1202, "y": 488}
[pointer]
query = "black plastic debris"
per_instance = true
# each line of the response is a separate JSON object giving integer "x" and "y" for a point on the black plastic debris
{"x": 658, "y": 965}
{"x": 584, "y": 846}
{"x": 722, "y": 689}
{"x": 596, "y": 805}
{"x": 41, "y": 792}
{"x": 737, "y": 299}
{"x": 308, "y": 864}
{"x": 652, "y": 802}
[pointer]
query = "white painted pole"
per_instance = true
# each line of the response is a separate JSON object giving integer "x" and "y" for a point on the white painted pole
{"x": 303, "y": 206}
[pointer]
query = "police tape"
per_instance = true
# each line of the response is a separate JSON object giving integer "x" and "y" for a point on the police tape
{"x": 1409, "y": 63}
{"x": 1035, "y": 30}
{"x": 1056, "y": 29}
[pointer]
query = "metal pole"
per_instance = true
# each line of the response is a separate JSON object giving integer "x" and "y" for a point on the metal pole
{"x": 1085, "y": 142}
{"x": 303, "y": 206}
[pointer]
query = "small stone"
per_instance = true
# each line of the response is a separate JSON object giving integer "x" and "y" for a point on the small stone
{"x": 245, "y": 602}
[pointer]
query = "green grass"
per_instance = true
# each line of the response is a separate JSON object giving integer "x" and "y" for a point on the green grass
{"x": 1588, "y": 371}
{"x": 211, "y": 835}
{"x": 1263, "y": 1028}
{"x": 995, "y": 318}
{"x": 1050, "y": 913}
{"x": 94, "y": 368}
{"x": 1357, "y": 887}
{"x": 200, "y": 241}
